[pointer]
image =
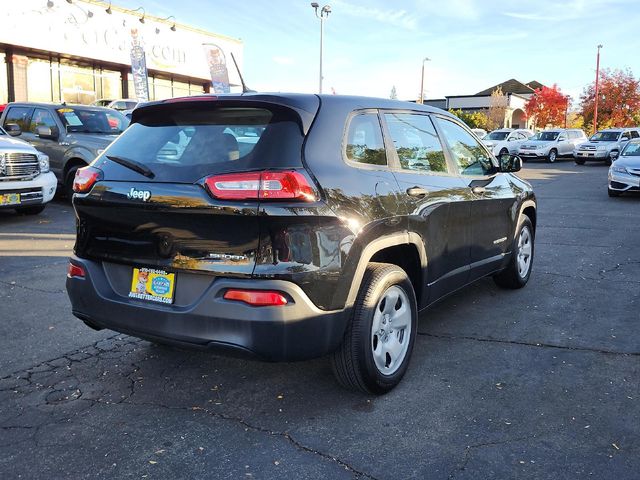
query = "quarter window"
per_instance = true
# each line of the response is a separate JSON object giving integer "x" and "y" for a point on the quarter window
{"x": 20, "y": 116}
{"x": 470, "y": 156}
{"x": 364, "y": 140}
{"x": 416, "y": 142}
{"x": 634, "y": 134}
{"x": 41, "y": 118}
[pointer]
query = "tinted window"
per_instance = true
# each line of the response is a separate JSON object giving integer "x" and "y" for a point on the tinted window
{"x": 416, "y": 142}
{"x": 19, "y": 115}
{"x": 364, "y": 140}
{"x": 626, "y": 135}
{"x": 185, "y": 145}
{"x": 496, "y": 136}
{"x": 605, "y": 137}
{"x": 41, "y": 118}
{"x": 545, "y": 136}
{"x": 634, "y": 134}
{"x": 471, "y": 158}
{"x": 88, "y": 120}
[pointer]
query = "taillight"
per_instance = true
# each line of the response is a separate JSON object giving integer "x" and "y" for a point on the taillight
{"x": 257, "y": 298}
{"x": 85, "y": 179}
{"x": 286, "y": 185}
{"x": 75, "y": 271}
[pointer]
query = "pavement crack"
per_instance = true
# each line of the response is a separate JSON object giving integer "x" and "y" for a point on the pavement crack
{"x": 529, "y": 344}
{"x": 285, "y": 435}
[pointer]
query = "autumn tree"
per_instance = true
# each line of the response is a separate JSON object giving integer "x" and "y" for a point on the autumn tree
{"x": 619, "y": 100}
{"x": 472, "y": 119}
{"x": 547, "y": 106}
{"x": 497, "y": 109}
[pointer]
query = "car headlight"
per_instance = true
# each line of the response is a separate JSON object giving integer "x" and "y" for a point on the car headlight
{"x": 541, "y": 147}
{"x": 601, "y": 148}
{"x": 43, "y": 160}
{"x": 618, "y": 169}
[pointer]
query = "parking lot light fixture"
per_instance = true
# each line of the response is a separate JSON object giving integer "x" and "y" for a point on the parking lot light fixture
{"x": 322, "y": 15}
{"x": 595, "y": 107}
{"x": 425, "y": 59}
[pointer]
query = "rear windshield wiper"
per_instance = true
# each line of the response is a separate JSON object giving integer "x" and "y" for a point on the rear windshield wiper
{"x": 132, "y": 165}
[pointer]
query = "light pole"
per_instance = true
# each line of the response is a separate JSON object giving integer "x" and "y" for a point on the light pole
{"x": 595, "y": 108}
{"x": 426, "y": 59}
{"x": 324, "y": 13}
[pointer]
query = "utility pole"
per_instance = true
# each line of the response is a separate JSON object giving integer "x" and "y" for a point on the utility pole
{"x": 426, "y": 59}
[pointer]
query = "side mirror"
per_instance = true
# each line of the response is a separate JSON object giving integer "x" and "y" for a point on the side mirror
{"x": 13, "y": 129}
{"x": 47, "y": 132}
{"x": 510, "y": 163}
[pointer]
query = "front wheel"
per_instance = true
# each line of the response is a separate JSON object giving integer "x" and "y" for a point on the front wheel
{"x": 579, "y": 161}
{"x": 611, "y": 158}
{"x": 377, "y": 345}
{"x": 518, "y": 271}
{"x": 553, "y": 155}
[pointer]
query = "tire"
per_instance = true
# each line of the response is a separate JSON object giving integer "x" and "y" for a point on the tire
{"x": 68, "y": 181}
{"x": 35, "y": 210}
{"x": 579, "y": 161}
{"x": 613, "y": 193}
{"x": 503, "y": 152}
{"x": 513, "y": 276}
{"x": 608, "y": 161}
{"x": 553, "y": 155}
{"x": 355, "y": 363}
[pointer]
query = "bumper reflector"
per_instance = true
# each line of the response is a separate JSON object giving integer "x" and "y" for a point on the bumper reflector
{"x": 75, "y": 271}
{"x": 257, "y": 298}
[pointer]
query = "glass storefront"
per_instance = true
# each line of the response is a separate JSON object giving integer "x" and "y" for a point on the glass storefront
{"x": 41, "y": 79}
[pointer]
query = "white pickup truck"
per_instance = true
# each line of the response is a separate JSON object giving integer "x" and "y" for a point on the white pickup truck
{"x": 26, "y": 184}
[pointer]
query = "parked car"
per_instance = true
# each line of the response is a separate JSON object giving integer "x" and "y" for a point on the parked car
{"x": 480, "y": 132}
{"x": 102, "y": 102}
{"x": 323, "y": 237}
{"x": 71, "y": 135}
{"x": 624, "y": 173}
{"x": 26, "y": 184}
{"x": 604, "y": 145}
{"x": 123, "y": 104}
{"x": 552, "y": 144}
{"x": 506, "y": 140}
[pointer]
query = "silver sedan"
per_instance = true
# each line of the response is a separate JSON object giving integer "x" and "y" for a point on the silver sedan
{"x": 624, "y": 173}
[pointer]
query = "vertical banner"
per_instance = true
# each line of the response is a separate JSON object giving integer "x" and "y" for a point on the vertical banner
{"x": 217, "y": 63}
{"x": 139, "y": 68}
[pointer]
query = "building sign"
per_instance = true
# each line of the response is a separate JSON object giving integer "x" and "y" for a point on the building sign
{"x": 86, "y": 30}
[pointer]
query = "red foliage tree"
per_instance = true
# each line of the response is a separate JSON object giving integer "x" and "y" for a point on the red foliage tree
{"x": 547, "y": 106}
{"x": 619, "y": 102}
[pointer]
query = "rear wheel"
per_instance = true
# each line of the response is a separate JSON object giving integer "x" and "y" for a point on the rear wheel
{"x": 553, "y": 155}
{"x": 68, "y": 181}
{"x": 35, "y": 210}
{"x": 518, "y": 271}
{"x": 377, "y": 345}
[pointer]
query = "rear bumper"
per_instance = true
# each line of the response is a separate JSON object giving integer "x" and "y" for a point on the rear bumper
{"x": 296, "y": 331}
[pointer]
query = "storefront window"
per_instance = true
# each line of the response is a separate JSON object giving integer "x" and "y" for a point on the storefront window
{"x": 180, "y": 89}
{"x": 196, "y": 89}
{"x": 162, "y": 89}
{"x": 78, "y": 84}
{"x": 111, "y": 85}
{"x": 38, "y": 80}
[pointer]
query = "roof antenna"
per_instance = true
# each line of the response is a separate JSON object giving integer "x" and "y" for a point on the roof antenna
{"x": 245, "y": 89}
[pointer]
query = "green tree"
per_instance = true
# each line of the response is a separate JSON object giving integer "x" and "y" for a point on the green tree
{"x": 472, "y": 119}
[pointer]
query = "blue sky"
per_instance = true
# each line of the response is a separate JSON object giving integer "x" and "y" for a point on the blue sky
{"x": 373, "y": 45}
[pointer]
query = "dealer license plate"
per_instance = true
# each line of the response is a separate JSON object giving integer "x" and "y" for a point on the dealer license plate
{"x": 10, "y": 199}
{"x": 153, "y": 285}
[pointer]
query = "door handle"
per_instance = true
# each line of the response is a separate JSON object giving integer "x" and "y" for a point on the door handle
{"x": 479, "y": 190}
{"x": 417, "y": 192}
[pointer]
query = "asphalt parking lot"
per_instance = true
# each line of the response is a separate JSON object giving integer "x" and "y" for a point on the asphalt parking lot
{"x": 542, "y": 382}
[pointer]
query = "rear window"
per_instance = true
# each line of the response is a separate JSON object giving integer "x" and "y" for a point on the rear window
{"x": 185, "y": 145}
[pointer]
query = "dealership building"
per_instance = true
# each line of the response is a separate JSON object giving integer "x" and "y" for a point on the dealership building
{"x": 79, "y": 51}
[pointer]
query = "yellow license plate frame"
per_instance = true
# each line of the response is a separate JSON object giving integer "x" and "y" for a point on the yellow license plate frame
{"x": 152, "y": 285}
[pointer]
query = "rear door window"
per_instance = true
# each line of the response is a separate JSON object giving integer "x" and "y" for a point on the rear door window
{"x": 184, "y": 145}
{"x": 19, "y": 116}
{"x": 416, "y": 142}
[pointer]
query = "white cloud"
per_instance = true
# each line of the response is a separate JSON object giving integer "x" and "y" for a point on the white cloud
{"x": 398, "y": 18}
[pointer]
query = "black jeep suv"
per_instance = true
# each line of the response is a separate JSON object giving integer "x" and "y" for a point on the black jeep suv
{"x": 287, "y": 227}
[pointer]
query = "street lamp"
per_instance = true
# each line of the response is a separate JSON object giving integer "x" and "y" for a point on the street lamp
{"x": 595, "y": 108}
{"x": 324, "y": 13}
{"x": 426, "y": 59}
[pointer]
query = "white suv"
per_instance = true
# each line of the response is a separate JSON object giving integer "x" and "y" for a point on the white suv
{"x": 506, "y": 140}
{"x": 26, "y": 184}
{"x": 552, "y": 144}
{"x": 604, "y": 145}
